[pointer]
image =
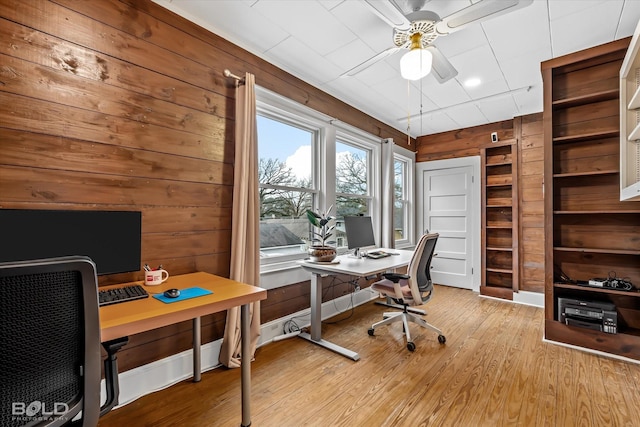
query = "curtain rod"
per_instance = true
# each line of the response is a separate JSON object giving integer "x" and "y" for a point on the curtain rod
{"x": 228, "y": 73}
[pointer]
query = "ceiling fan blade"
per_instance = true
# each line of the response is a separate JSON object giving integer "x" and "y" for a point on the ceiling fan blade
{"x": 441, "y": 68}
{"x": 478, "y": 12}
{"x": 369, "y": 62}
{"x": 389, "y": 13}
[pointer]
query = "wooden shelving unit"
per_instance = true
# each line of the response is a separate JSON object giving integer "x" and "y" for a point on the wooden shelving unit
{"x": 589, "y": 232}
{"x": 499, "y": 220}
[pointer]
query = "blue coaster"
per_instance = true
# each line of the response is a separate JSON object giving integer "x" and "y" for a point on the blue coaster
{"x": 187, "y": 293}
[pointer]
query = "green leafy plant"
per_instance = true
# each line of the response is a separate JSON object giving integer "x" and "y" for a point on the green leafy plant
{"x": 324, "y": 230}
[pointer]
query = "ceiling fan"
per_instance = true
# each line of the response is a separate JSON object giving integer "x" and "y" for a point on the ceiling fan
{"x": 417, "y": 30}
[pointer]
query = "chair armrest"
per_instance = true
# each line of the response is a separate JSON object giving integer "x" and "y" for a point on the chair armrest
{"x": 395, "y": 277}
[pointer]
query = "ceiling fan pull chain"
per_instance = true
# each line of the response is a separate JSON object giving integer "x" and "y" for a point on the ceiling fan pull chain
{"x": 408, "y": 113}
{"x": 421, "y": 105}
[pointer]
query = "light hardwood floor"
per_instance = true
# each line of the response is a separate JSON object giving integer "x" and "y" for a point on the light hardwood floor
{"x": 494, "y": 370}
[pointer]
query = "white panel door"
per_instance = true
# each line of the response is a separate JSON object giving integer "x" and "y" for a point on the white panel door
{"x": 447, "y": 205}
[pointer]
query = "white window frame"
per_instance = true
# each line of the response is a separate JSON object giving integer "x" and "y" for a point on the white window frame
{"x": 374, "y": 179}
{"x": 407, "y": 157}
{"x": 272, "y": 105}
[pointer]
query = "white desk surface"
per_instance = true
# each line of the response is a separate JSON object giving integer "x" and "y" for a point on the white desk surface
{"x": 361, "y": 266}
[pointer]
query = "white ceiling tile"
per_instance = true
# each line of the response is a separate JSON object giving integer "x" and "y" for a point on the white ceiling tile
{"x": 445, "y": 94}
{"x": 465, "y": 113}
{"x": 477, "y": 63}
{"x": 588, "y": 27}
{"x": 226, "y": 17}
{"x": 629, "y": 19}
{"x": 529, "y": 102}
{"x": 524, "y": 70}
{"x": 359, "y": 18}
{"x": 523, "y": 30}
{"x": 304, "y": 62}
{"x": 487, "y": 89}
{"x": 309, "y": 22}
{"x": 498, "y": 108}
{"x": 433, "y": 123}
{"x": 563, "y": 8}
{"x": 461, "y": 41}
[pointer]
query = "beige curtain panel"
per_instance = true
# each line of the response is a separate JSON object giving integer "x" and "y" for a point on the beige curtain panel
{"x": 245, "y": 232}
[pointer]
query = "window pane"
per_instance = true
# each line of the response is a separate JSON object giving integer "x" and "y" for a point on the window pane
{"x": 399, "y": 204}
{"x": 351, "y": 169}
{"x": 284, "y": 153}
{"x": 284, "y": 229}
{"x": 285, "y": 159}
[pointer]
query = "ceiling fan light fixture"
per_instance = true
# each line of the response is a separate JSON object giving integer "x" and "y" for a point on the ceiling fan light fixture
{"x": 416, "y": 64}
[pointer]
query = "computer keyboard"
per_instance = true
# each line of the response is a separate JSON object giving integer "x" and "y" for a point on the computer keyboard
{"x": 123, "y": 294}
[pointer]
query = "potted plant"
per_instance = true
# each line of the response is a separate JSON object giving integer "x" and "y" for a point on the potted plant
{"x": 321, "y": 249}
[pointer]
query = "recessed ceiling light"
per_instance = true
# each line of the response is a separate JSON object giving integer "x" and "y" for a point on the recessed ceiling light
{"x": 472, "y": 82}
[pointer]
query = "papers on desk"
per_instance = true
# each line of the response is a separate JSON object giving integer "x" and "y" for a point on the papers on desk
{"x": 377, "y": 254}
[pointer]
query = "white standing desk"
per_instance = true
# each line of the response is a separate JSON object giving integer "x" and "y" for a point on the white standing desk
{"x": 348, "y": 265}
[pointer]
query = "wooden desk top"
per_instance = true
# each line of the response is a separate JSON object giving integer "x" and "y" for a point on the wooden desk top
{"x": 133, "y": 317}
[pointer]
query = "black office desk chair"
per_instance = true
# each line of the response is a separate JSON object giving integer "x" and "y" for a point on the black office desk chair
{"x": 50, "y": 335}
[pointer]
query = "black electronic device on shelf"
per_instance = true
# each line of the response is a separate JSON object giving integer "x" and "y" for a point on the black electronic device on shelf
{"x": 611, "y": 282}
{"x": 596, "y": 315}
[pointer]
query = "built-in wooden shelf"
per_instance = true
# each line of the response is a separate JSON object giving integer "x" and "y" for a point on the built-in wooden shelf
{"x": 587, "y": 136}
{"x": 500, "y": 274}
{"x": 500, "y": 249}
{"x": 500, "y": 270}
{"x": 587, "y": 173}
{"x": 589, "y": 98}
{"x": 597, "y": 212}
{"x": 635, "y": 294}
{"x": 598, "y": 250}
{"x": 581, "y": 196}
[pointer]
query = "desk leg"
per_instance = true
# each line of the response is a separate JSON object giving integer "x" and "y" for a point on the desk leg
{"x": 196, "y": 349}
{"x": 245, "y": 366}
{"x": 316, "y": 322}
{"x": 316, "y": 307}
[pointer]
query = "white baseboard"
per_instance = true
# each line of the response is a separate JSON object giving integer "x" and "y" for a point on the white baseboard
{"x": 162, "y": 373}
{"x": 166, "y": 372}
{"x": 535, "y": 299}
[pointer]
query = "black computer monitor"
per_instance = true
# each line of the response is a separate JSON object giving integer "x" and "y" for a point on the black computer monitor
{"x": 110, "y": 238}
{"x": 359, "y": 231}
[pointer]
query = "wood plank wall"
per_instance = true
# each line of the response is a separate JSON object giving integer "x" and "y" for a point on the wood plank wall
{"x": 122, "y": 105}
{"x": 527, "y": 130}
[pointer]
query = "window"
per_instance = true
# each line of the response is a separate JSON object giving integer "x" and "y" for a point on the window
{"x": 286, "y": 185}
{"x": 403, "y": 216}
{"x": 307, "y": 161}
{"x": 353, "y": 189}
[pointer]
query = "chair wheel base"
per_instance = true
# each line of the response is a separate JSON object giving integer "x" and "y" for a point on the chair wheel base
{"x": 442, "y": 339}
{"x": 371, "y": 331}
{"x": 411, "y": 346}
